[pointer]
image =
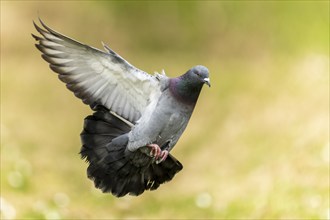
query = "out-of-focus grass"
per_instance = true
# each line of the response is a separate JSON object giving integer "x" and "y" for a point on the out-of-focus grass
{"x": 257, "y": 145}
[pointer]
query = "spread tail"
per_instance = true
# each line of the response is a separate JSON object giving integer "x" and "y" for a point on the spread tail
{"x": 111, "y": 166}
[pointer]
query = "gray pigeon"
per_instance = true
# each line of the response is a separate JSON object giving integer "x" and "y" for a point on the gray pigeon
{"x": 138, "y": 118}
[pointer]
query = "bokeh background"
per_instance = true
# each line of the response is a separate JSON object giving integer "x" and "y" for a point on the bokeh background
{"x": 256, "y": 147}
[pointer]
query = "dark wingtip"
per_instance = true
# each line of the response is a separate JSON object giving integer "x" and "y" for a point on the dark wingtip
{"x": 51, "y": 31}
{"x": 45, "y": 26}
{"x": 42, "y": 23}
{"x": 38, "y": 46}
{"x": 35, "y": 25}
{"x": 37, "y": 38}
{"x": 39, "y": 29}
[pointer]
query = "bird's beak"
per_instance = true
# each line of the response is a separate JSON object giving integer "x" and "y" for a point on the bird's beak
{"x": 207, "y": 81}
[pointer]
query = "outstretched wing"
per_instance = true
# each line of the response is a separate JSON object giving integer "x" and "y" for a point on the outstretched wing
{"x": 98, "y": 77}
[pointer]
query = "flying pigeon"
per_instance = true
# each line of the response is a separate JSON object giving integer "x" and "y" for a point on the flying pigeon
{"x": 137, "y": 117}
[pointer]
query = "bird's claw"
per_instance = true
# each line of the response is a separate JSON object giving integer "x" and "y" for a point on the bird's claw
{"x": 157, "y": 153}
{"x": 163, "y": 156}
{"x": 155, "y": 150}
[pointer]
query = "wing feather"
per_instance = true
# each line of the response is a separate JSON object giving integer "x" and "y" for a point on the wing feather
{"x": 98, "y": 77}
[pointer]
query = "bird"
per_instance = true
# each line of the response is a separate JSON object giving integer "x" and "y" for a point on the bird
{"x": 137, "y": 117}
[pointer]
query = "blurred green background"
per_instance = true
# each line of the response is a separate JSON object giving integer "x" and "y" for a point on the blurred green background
{"x": 256, "y": 147}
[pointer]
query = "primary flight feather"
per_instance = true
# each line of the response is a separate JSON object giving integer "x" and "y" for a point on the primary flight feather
{"x": 138, "y": 118}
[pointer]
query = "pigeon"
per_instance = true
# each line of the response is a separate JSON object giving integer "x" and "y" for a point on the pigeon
{"x": 137, "y": 117}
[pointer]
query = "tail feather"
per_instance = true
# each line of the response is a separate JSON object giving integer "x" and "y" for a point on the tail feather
{"x": 163, "y": 172}
{"x": 113, "y": 168}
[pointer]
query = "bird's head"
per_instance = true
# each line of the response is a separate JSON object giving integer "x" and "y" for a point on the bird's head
{"x": 199, "y": 75}
{"x": 188, "y": 86}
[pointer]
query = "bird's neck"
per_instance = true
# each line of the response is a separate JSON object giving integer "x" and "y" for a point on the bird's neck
{"x": 184, "y": 91}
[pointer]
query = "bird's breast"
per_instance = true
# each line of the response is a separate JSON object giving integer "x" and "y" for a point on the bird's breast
{"x": 165, "y": 122}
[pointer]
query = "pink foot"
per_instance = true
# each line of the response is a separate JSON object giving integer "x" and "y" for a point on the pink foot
{"x": 157, "y": 153}
{"x": 163, "y": 156}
